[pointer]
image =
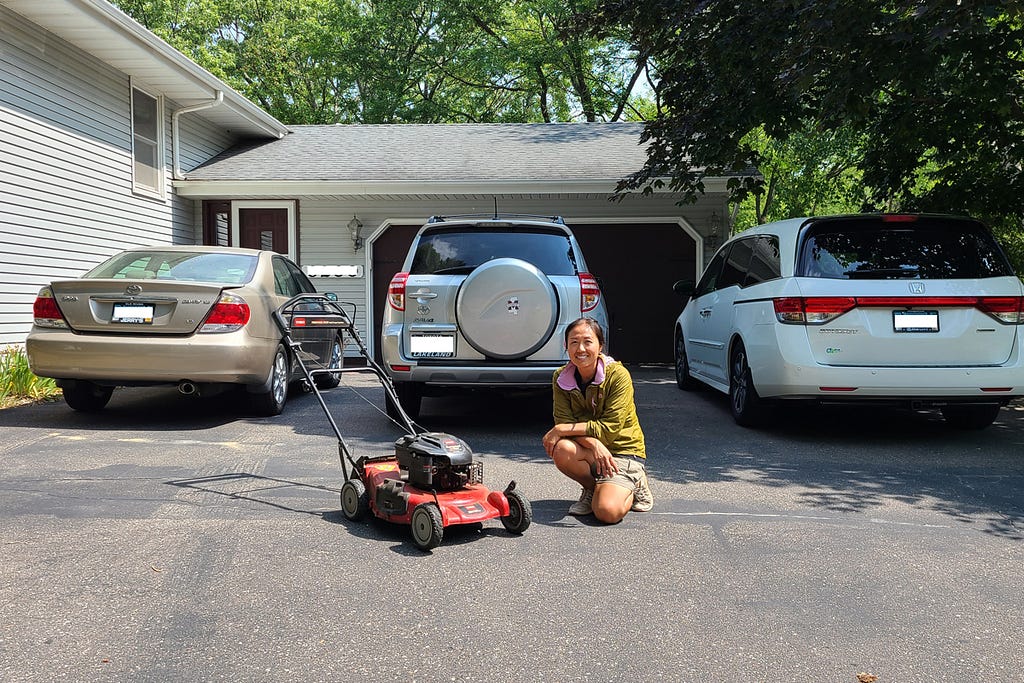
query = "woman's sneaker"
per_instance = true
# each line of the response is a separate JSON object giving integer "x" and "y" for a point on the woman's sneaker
{"x": 583, "y": 505}
{"x": 643, "y": 499}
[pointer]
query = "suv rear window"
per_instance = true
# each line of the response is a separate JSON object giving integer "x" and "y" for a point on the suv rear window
{"x": 453, "y": 251}
{"x": 926, "y": 249}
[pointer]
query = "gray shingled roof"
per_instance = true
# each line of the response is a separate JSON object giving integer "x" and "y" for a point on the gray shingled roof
{"x": 450, "y": 152}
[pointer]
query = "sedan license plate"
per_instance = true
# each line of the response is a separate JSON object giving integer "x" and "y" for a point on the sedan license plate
{"x": 136, "y": 314}
{"x": 432, "y": 345}
{"x": 915, "y": 321}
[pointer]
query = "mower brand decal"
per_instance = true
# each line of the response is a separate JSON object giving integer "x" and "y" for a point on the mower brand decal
{"x": 513, "y": 305}
{"x": 474, "y": 509}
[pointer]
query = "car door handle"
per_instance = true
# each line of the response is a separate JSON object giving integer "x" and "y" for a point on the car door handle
{"x": 705, "y": 313}
{"x": 424, "y": 295}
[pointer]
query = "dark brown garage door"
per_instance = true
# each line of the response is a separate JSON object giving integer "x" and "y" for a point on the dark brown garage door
{"x": 637, "y": 265}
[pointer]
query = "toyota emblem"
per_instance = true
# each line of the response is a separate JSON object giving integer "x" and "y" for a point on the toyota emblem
{"x": 132, "y": 290}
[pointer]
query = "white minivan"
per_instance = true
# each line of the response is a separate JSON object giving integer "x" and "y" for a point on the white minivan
{"x": 918, "y": 311}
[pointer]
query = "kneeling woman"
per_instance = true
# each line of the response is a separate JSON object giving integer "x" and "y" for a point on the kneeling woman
{"x": 597, "y": 440}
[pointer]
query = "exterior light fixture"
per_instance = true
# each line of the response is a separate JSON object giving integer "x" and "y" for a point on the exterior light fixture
{"x": 355, "y": 227}
{"x": 715, "y": 236}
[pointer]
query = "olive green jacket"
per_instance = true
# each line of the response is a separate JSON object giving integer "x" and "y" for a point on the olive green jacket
{"x": 607, "y": 406}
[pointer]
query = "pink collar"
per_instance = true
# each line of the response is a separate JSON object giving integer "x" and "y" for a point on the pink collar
{"x": 567, "y": 377}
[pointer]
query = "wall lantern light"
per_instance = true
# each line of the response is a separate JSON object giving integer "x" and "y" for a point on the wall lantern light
{"x": 355, "y": 227}
{"x": 715, "y": 236}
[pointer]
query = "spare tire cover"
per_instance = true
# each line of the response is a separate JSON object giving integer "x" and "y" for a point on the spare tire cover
{"x": 506, "y": 308}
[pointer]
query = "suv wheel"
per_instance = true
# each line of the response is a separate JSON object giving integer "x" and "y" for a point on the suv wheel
{"x": 507, "y": 309}
{"x": 410, "y": 395}
{"x": 748, "y": 410}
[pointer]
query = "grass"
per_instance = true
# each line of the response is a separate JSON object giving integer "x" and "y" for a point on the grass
{"x": 17, "y": 383}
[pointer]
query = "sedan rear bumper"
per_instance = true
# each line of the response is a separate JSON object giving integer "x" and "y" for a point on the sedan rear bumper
{"x": 235, "y": 358}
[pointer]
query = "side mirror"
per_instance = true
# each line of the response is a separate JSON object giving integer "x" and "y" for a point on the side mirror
{"x": 684, "y": 288}
{"x": 330, "y": 296}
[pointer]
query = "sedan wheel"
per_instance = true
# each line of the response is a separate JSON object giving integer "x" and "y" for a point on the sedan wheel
{"x": 270, "y": 403}
{"x": 86, "y": 396}
{"x": 334, "y": 379}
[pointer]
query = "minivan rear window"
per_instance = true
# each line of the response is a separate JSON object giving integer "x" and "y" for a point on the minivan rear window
{"x": 926, "y": 249}
{"x": 455, "y": 251}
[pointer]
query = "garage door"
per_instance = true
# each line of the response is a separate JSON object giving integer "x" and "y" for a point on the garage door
{"x": 637, "y": 265}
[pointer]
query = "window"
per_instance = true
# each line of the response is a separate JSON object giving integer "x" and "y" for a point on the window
{"x": 147, "y": 143}
{"x": 764, "y": 264}
{"x": 709, "y": 281}
{"x": 736, "y": 264}
{"x": 460, "y": 250}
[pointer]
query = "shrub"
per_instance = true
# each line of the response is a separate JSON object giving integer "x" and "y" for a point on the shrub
{"x": 18, "y": 382}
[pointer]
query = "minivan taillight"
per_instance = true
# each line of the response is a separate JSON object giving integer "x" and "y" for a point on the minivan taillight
{"x": 230, "y": 313}
{"x": 45, "y": 311}
{"x": 818, "y": 310}
{"x": 396, "y": 291}
{"x": 590, "y": 292}
{"x": 811, "y": 310}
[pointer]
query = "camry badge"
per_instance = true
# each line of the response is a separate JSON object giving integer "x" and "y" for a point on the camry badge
{"x": 513, "y": 305}
{"x": 133, "y": 290}
{"x": 916, "y": 287}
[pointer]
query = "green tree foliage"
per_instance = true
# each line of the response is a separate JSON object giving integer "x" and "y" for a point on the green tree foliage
{"x": 391, "y": 61}
{"x": 920, "y": 103}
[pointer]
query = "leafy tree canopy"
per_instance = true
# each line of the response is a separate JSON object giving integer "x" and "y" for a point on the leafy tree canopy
{"x": 922, "y": 102}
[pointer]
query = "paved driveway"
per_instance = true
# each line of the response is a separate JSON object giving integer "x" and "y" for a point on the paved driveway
{"x": 173, "y": 539}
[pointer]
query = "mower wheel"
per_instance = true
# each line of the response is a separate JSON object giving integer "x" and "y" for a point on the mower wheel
{"x": 427, "y": 526}
{"x": 355, "y": 502}
{"x": 520, "y": 514}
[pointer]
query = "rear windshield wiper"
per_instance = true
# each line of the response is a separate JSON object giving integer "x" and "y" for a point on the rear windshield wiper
{"x": 455, "y": 270}
{"x": 886, "y": 273}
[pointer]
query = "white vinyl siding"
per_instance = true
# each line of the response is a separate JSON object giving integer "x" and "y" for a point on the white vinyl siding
{"x": 66, "y": 169}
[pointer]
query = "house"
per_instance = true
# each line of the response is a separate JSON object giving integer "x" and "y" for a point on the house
{"x": 109, "y": 138}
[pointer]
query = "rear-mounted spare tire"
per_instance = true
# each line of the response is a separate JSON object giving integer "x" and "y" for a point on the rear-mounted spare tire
{"x": 506, "y": 309}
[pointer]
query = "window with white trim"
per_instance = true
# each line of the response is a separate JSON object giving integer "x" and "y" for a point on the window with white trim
{"x": 147, "y": 143}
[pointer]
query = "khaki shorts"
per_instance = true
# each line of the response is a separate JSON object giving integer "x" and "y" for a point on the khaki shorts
{"x": 631, "y": 472}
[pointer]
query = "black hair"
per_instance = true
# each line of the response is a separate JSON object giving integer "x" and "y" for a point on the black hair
{"x": 594, "y": 326}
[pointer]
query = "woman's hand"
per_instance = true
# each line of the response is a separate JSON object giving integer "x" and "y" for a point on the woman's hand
{"x": 604, "y": 463}
{"x": 550, "y": 439}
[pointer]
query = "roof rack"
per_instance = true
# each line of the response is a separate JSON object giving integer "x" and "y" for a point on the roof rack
{"x": 494, "y": 217}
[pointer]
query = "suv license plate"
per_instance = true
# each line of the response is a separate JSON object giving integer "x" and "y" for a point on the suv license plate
{"x": 915, "y": 321}
{"x": 138, "y": 314}
{"x": 432, "y": 345}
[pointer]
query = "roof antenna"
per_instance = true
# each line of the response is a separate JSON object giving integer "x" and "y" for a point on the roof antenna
{"x": 495, "y": 207}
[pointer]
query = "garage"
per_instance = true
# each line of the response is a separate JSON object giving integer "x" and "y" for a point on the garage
{"x": 636, "y": 263}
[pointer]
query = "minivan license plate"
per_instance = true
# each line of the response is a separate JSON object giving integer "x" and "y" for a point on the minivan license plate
{"x": 138, "y": 314}
{"x": 432, "y": 345}
{"x": 915, "y": 321}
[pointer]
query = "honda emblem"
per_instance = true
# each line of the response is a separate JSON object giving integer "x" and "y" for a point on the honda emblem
{"x": 916, "y": 287}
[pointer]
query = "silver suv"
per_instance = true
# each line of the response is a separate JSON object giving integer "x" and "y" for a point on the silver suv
{"x": 484, "y": 302}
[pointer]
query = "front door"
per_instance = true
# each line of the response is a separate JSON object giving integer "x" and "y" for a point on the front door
{"x": 264, "y": 229}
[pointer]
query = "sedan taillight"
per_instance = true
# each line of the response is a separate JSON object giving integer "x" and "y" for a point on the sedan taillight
{"x": 45, "y": 311}
{"x": 590, "y": 292}
{"x": 227, "y": 315}
{"x": 396, "y": 291}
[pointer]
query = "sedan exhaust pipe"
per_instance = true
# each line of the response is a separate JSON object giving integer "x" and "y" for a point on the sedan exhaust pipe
{"x": 188, "y": 388}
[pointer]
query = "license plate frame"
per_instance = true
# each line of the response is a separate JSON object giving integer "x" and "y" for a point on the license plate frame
{"x": 132, "y": 313}
{"x": 904, "y": 322}
{"x": 432, "y": 345}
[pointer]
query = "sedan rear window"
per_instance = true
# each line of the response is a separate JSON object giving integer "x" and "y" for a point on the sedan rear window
{"x": 235, "y": 269}
{"x": 926, "y": 249}
{"x": 457, "y": 251}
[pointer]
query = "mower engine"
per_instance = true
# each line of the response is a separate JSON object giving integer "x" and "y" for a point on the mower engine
{"x": 438, "y": 461}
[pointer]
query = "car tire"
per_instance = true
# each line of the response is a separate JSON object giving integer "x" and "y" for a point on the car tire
{"x": 682, "y": 366}
{"x": 86, "y": 397}
{"x": 427, "y": 526}
{"x": 336, "y": 362}
{"x": 507, "y": 309}
{"x": 410, "y": 395}
{"x": 747, "y": 407}
{"x": 271, "y": 402}
{"x": 970, "y": 417}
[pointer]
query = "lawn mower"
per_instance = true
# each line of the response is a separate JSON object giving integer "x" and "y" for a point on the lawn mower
{"x": 432, "y": 481}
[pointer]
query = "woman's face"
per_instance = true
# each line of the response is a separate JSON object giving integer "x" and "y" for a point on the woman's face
{"x": 584, "y": 348}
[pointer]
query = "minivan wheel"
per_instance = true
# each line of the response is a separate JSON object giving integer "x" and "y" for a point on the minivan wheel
{"x": 748, "y": 410}
{"x": 86, "y": 397}
{"x": 270, "y": 403}
{"x": 683, "y": 379}
{"x": 971, "y": 416}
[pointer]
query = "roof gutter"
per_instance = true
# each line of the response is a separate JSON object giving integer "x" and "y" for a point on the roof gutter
{"x": 175, "y": 129}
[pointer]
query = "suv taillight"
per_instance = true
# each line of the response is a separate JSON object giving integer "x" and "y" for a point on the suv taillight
{"x": 590, "y": 292}
{"x": 818, "y": 310}
{"x": 227, "y": 315}
{"x": 45, "y": 311}
{"x": 396, "y": 291}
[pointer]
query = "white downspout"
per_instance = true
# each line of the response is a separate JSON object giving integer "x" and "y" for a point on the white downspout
{"x": 175, "y": 151}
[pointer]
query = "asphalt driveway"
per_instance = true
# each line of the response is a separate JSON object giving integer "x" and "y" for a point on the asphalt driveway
{"x": 170, "y": 538}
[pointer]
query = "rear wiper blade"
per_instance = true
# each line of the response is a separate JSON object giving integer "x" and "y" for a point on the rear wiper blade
{"x": 455, "y": 270}
{"x": 892, "y": 273}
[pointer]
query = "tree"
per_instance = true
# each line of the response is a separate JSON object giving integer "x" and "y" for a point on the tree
{"x": 931, "y": 91}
